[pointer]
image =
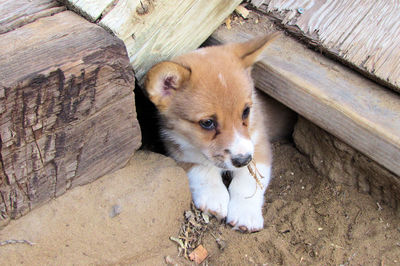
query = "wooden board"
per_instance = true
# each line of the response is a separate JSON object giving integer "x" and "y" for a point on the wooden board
{"x": 90, "y": 9}
{"x": 16, "y": 13}
{"x": 358, "y": 111}
{"x": 365, "y": 34}
{"x": 67, "y": 112}
{"x": 157, "y": 30}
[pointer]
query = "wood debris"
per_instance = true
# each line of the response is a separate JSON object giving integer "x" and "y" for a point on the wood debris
{"x": 194, "y": 228}
{"x": 242, "y": 11}
{"x": 199, "y": 254}
{"x": 228, "y": 23}
{"x": 220, "y": 242}
{"x": 192, "y": 231}
{"x": 206, "y": 218}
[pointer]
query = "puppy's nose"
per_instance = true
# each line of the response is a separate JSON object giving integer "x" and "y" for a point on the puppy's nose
{"x": 241, "y": 160}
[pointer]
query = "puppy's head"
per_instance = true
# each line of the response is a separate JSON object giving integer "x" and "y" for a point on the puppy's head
{"x": 205, "y": 100}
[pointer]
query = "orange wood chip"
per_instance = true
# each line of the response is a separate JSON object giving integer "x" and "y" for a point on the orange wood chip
{"x": 198, "y": 255}
{"x": 228, "y": 23}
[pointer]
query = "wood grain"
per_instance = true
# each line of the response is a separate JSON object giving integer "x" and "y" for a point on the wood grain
{"x": 90, "y": 9}
{"x": 15, "y": 14}
{"x": 365, "y": 34}
{"x": 67, "y": 112}
{"x": 358, "y": 111}
{"x": 157, "y": 30}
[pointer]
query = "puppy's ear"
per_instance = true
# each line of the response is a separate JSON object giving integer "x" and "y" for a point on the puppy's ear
{"x": 163, "y": 80}
{"x": 250, "y": 51}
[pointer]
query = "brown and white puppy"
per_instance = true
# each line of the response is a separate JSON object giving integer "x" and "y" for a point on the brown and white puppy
{"x": 212, "y": 119}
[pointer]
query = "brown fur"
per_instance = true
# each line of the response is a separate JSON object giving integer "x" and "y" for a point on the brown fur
{"x": 212, "y": 82}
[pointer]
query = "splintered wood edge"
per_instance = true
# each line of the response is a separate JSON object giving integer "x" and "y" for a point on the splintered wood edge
{"x": 88, "y": 9}
{"x": 361, "y": 113}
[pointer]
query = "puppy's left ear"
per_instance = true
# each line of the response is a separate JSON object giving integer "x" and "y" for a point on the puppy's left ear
{"x": 249, "y": 52}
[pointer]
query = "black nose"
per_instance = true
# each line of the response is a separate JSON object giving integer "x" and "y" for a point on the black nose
{"x": 241, "y": 160}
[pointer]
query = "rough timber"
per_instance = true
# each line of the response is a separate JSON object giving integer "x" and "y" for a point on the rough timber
{"x": 364, "y": 34}
{"x": 67, "y": 111}
{"x": 157, "y": 30}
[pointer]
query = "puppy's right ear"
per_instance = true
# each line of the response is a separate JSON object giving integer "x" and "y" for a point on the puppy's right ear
{"x": 163, "y": 80}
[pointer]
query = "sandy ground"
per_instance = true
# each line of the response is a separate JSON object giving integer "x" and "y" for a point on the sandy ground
{"x": 127, "y": 218}
{"x": 309, "y": 221}
{"x": 122, "y": 218}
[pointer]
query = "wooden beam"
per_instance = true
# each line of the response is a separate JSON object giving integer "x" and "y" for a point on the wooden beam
{"x": 67, "y": 111}
{"x": 157, "y": 30}
{"x": 15, "y": 14}
{"x": 363, "y": 34}
{"x": 361, "y": 113}
{"x": 90, "y": 9}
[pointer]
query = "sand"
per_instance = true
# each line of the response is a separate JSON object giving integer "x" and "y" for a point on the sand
{"x": 127, "y": 218}
{"x": 309, "y": 221}
{"x": 124, "y": 217}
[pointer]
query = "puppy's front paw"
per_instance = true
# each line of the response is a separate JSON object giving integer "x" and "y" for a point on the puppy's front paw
{"x": 208, "y": 192}
{"x": 212, "y": 200}
{"x": 245, "y": 216}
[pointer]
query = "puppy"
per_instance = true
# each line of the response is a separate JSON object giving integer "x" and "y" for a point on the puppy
{"x": 212, "y": 119}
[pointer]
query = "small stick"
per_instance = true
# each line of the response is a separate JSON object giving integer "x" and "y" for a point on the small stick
{"x": 15, "y": 241}
{"x": 254, "y": 174}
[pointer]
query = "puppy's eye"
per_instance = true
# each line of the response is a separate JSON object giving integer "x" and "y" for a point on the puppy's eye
{"x": 207, "y": 124}
{"x": 246, "y": 113}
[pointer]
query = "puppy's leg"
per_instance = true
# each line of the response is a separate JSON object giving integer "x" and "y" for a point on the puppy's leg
{"x": 208, "y": 191}
{"x": 247, "y": 198}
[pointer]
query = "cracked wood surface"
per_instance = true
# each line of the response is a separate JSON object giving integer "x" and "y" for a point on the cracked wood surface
{"x": 67, "y": 111}
{"x": 364, "y": 34}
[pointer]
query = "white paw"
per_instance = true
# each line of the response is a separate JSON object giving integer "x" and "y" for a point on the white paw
{"x": 212, "y": 200}
{"x": 247, "y": 198}
{"x": 208, "y": 192}
{"x": 245, "y": 215}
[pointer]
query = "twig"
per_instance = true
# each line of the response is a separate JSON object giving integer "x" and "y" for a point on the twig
{"x": 336, "y": 246}
{"x": 255, "y": 173}
{"x": 15, "y": 241}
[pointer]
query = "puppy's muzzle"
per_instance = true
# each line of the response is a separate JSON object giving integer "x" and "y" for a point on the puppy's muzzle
{"x": 241, "y": 160}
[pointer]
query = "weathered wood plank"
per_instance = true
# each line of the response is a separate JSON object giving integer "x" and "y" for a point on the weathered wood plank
{"x": 157, "y": 30}
{"x": 16, "y": 13}
{"x": 365, "y": 34}
{"x": 67, "y": 113}
{"x": 91, "y": 9}
{"x": 162, "y": 29}
{"x": 358, "y": 111}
